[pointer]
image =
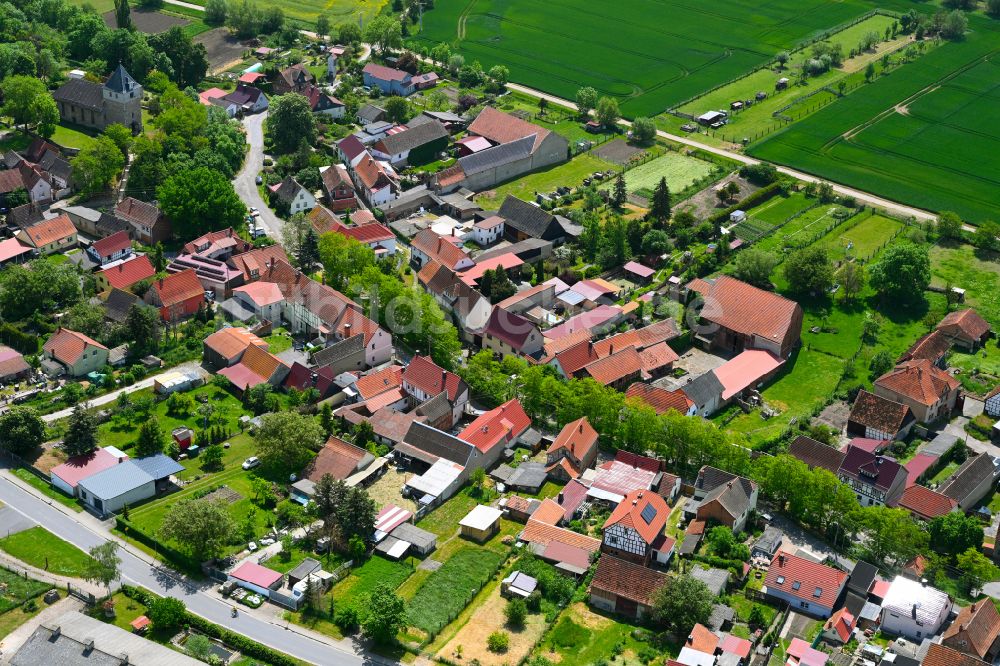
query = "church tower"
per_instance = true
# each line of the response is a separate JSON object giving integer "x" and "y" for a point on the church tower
{"x": 123, "y": 100}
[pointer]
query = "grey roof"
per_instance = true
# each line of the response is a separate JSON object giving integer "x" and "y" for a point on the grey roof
{"x": 120, "y": 81}
{"x": 530, "y": 438}
{"x": 69, "y": 648}
{"x": 502, "y": 473}
{"x": 721, "y": 614}
{"x": 288, "y": 188}
{"x": 940, "y": 445}
{"x": 862, "y": 578}
{"x": 435, "y": 408}
{"x": 339, "y": 350}
{"x": 54, "y": 163}
{"x": 529, "y": 218}
{"x": 733, "y": 497}
{"x": 703, "y": 389}
{"x": 712, "y": 478}
{"x": 968, "y": 477}
{"x": 25, "y": 215}
{"x": 529, "y": 475}
{"x": 715, "y": 579}
{"x": 437, "y": 443}
{"x": 371, "y": 113}
{"x": 159, "y": 466}
{"x": 117, "y": 306}
{"x": 422, "y": 539}
{"x": 491, "y": 158}
{"x": 414, "y": 137}
{"x": 690, "y": 544}
{"x": 118, "y": 354}
{"x": 444, "y": 116}
{"x": 81, "y": 93}
{"x": 237, "y": 309}
{"x": 305, "y": 567}
{"x": 770, "y": 540}
{"x": 116, "y": 481}
{"x": 528, "y": 246}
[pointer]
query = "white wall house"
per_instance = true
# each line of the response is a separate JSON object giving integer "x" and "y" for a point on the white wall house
{"x": 914, "y": 610}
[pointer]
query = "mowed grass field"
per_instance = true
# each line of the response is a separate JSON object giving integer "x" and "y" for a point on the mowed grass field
{"x": 679, "y": 170}
{"x": 651, "y": 54}
{"x": 928, "y": 134}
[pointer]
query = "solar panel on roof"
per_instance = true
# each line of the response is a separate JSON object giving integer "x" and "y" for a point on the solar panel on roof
{"x": 649, "y": 513}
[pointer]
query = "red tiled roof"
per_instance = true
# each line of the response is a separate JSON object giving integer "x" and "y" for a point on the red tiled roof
{"x": 384, "y": 73}
{"x": 573, "y": 359}
{"x": 920, "y": 380}
{"x": 510, "y": 328}
{"x": 337, "y": 458}
{"x": 932, "y": 347}
{"x": 743, "y": 308}
{"x": 127, "y": 273}
{"x": 371, "y": 173}
{"x": 116, "y": 242}
{"x": 745, "y": 370}
{"x": 262, "y": 293}
{"x": 942, "y": 655}
{"x": 804, "y": 579}
{"x": 549, "y": 512}
{"x": 500, "y": 127}
{"x": 367, "y": 233}
{"x": 702, "y": 639}
{"x": 632, "y": 512}
{"x": 629, "y": 581}
{"x": 917, "y": 465}
{"x": 67, "y": 346}
{"x": 230, "y": 342}
{"x": 255, "y": 262}
{"x": 975, "y": 629}
{"x": 12, "y": 362}
{"x": 385, "y": 379}
{"x": 613, "y": 368}
{"x": 500, "y": 425}
{"x": 736, "y": 645}
{"x": 543, "y": 534}
{"x": 841, "y": 622}
{"x": 879, "y": 413}
{"x": 261, "y": 362}
{"x": 657, "y": 357}
{"x": 429, "y": 377}
{"x": 50, "y": 231}
{"x": 659, "y": 399}
{"x": 926, "y": 503}
{"x": 967, "y": 322}
{"x": 439, "y": 249}
{"x": 178, "y": 288}
{"x": 579, "y": 437}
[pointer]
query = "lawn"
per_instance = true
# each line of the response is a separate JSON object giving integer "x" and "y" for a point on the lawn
{"x": 679, "y": 170}
{"x": 443, "y": 520}
{"x": 47, "y": 489}
{"x": 14, "y": 591}
{"x": 363, "y": 580}
{"x": 806, "y": 227}
{"x": 450, "y": 589}
{"x": 41, "y": 549}
{"x": 651, "y": 55}
{"x": 71, "y": 137}
{"x": 975, "y": 271}
{"x": 887, "y": 137}
{"x": 583, "y": 636}
{"x": 280, "y": 340}
{"x": 569, "y": 174}
{"x": 864, "y": 239}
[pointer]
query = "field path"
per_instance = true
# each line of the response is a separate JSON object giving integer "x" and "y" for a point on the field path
{"x": 864, "y": 197}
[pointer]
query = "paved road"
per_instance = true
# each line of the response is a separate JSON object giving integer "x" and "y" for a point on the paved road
{"x": 246, "y": 180}
{"x": 113, "y": 395}
{"x": 843, "y": 190}
{"x": 200, "y": 598}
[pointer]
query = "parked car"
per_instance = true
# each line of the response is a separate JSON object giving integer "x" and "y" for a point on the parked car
{"x": 252, "y": 546}
{"x": 251, "y": 462}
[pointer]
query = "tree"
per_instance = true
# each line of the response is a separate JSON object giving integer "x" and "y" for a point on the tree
{"x": 22, "y": 430}
{"x": 28, "y": 102}
{"x": 809, "y": 271}
{"x": 285, "y": 440}
{"x": 681, "y": 603}
{"x": 343, "y": 257}
{"x": 364, "y": 434}
{"x": 607, "y": 112}
{"x": 97, "y": 165}
{"x": 211, "y": 458}
{"x": 902, "y": 273}
{"x": 200, "y": 200}
{"x": 586, "y": 100}
{"x": 655, "y": 242}
{"x": 880, "y": 364}
{"x": 386, "y": 615}
{"x": 123, "y": 15}
{"x": 188, "y": 58}
{"x": 782, "y": 58}
{"x": 760, "y": 173}
{"x": 891, "y": 534}
{"x": 322, "y": 25}
{"x": 167, "y": 614}
{"x": 151, "y": 438}
{"x": 105, "y": 565}
{"x": 198, "y": 646}
{"x": 120, "y": 135}
{"x": 987, "y": 236}
{"x": 955, "y": 26}
{"x": 202, "y": 526}
{"x": 384, "y": 33}
{"x": 308, "y": 253}
{"x": 659, "y": 205}
{"x": 755, "y": 266}
{"x": 949, "y": 224}
{"x": 955, "y": 533}
{"x": 619, "y": 195}
{"x": 261, "y": 399}
{"x": 81, "y": 432}
{"x": 993, "y": 8}
{"x": 499, "y": 76}
{"x": 976, "y": 569}
{"x": 643, "y": 130}
{"x": 290, "y": 122}
{"x": 261, "y": 491}
{"x": 215, "y": 12}
{"x": 851, "y": 277}
{"x": 870, "y": 72}
{"x": 142, "y": 329}
{"x": 397, "y": 109}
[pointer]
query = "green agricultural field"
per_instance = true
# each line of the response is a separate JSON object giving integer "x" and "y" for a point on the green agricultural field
{"x": 650, "y": 54}
{"x": 44, "y": 550}
{"x": 926, "y": 134}
{"x": 679, "y": 170}
{"x": 569, "y": 173}
{"x": 802, "y": 229}
{"x": 864, "y": 239}
{"x": 305, "y": 12}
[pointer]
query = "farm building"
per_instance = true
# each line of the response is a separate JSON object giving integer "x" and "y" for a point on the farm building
{"x": 622, "y": 587}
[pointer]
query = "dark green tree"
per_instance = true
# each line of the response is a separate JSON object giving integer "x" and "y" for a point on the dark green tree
{"x": 22, "y": 430}
{"x": 386, "y": 615}
{"x": 681, "y": 603}
{"x": 902, "y": 273}
{"x": 308, "y": 254}
{"x": 809, "y": 271}
{"x": 151, "y": 438}
{"x": 81, "y": 432}
{"x": 123, "y": 15}
{"x": 659, "y": 205}
{"x": 955, "y": 533}
{"x": 167, "y": 614}
{"x": 619, "y": 194}
{"x": 200, "y": 200}
{"x": 290, "y": 122}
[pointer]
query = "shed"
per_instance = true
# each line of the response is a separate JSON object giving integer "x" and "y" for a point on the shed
{"x": 635, "y": 269}
{"x": 481, "y": 523}
{"x": 304, "y": 569}
{"x": 256, "y": 578}
{"x": 528, "y": 477}
{"x": 737, "y": 216}
{"x": 518, "y": 584}
{"x": 183, "y": 436}
{"x": 421, "y": 541}
{"x": 715, "y": 579}
{"x": 171, "y": 382}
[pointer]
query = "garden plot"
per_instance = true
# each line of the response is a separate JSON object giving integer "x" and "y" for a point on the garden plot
{"x": 489, "y": 617}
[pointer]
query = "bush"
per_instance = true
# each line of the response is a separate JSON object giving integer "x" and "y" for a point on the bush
{"x": 498, "y": 641}
{"x": 347, "y": 618}
{"x": 516, "y": 612}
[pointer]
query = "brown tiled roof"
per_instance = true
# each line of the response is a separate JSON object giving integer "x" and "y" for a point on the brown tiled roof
{"x": 942, "y": 655}
{"x": 540, "y": 533}
{"x": 500, "y": 127}
{"x": 920, "y": 380}
{"x": 967, "y": 322}
{"x": 804, "y": 579}
{"x": 438, "y": 248}
{"x": 932, "y": 347}
{"x": 880, "y": 413}
{"x": 702, "y": 639}
{"x": 138, "y": 212}
{"x": 629, "y": 581}
{"x": 816, "y": 454}
{"x": 127, "y": 273}
{"x": 579, "y": 437}
{"x": 372, "y": 173}
{"x": 66, "y": 346}
{"x": 230, "y": 342}
{"x": 575, "y": 358}
{"x": 513, "y": 329}
{"x": 549, "y": 512}
{"x": 975, "y": 629}
{"x": 926, "y": 503}
{"x": 743, "y": 308}
{"x": 633, "y": 510}
{"x": 555, "y": 346}
{"x": 254, "y": 262}
{"x": 432, "y": 379}
{"x": 178, "y": 287}
{"x": 615, "y": 367}
{"x": 261, "y": 362}
{"x": 335, "y": 177}
{"x": 50, "y": 231}
{"x": 337, "y": 458}
{"x": 384, "y": 380}
{"x": 659, "y": 399}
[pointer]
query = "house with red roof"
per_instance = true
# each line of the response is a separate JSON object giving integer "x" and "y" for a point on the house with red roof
{"x": 256, "y": 366}
{"x": 428, "y": 246}
{"x": 623, "y": 587}
{"x": 975, "y": 631}
{"x": 509, "y": 333}
{"x": 340, "y": 459}
{"x": 263, "y": 299}
{"x": 618, "y": 370}
{"x": 125, "y": 274}
{"x": 66, "y": 476}
{"x": 424, "y": 379}
{"x": 111, "y": 248}
{"x": 220, "y": 245}
{"x": 933, "y": 347}
{"x": 73, "y": 354}
{"x": 748, "y": 370}
{"x": 225, "y": 347}
{"x": 12, "y": 365}
{"x": 256, "y": 578}
{"x": 839, "y": 629}
{"x": 338, "y": 187}
{"x": 634, "y": 530}
{"x": 13, "y": 251}
{"x": 376, "y": 181}
{"x": 807, "y": 586}
{"x": 497, "y": 429}
{"x": 929, "y": 391}
{"x": 661, "y": 400}
{"x": 572, "y": 451}
{"x": 376, "y": 236}
{"x": 56, "y": 234}
{"x": 875, "y": 479}
{"x": 389, "y": 80}
{"x": 965, "y": 329}
{"x": 177, "y": 296}
{"x": 749, "y": 318}
{"x": 926, "y": 504}
{"x": 876, "y": 417}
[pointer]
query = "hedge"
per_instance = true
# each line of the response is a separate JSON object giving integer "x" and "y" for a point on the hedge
{"x": 248, "y": 647}
{"x": 182, "y": 560}
{"x": 755, "y": 199}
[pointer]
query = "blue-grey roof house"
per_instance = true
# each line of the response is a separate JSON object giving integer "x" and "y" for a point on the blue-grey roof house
{"x": 128, "y": 482}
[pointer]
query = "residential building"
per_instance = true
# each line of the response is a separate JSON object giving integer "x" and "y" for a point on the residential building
{"x": 56, "y": 234}
{"x": 724, "y": 497}
{"x": 339, "y": 188}
{"x": 370, "y": 113}
{"x": 423, "y": 379}
{"x": 705, "y": 391}
{"x": 291, "y": 194}
{"x": 926, "y": 504}
{"x": 875, "y": 479}
{"x": 965, "y": 329}
{"x": 497, "y": 429}
{"x": 942, "y": 655}
{"x": 256, "y": 366}
{"x": 124, "y": 274}
{"x": 634, "y": 530}
{"x": 295, "y": 78}
{"x": 876, "y": 417}
{"x": 127, "y": 483}
{"x": 929, "y": 392}
{"x": 428, "y": 246}
{"x": 376, "y": 181}
{"x": 218, "y": 245}
{"x": 413, "y": 146}
{"x": 149, "y": 225}
{"x": 96, "y": 105}
{"x": 523, "y": 220}
{"x": 933, "y": 347}
{"x": 72, "y": 353}
{"x": 115, "y": 247}
{"x": 469, "y": 307}
{"x": 971, "y": 482}
{"x": 340, "y": 459}
{"x": 177, "y": 296}
{"x": 225, "y": 347}
{"x": 68, "y": 475}
{"x": 914, "y": 610}
{"x": 807, "y": 586}
{"x": 488, "y": 231}
{"x": 619, "y": 586}
{"x": 975, "y": 631}
{"x": 13, "y": 367}
{"x": 508, "y": 333}
{"x": 816, "y": 454}
{"x": 389, "y": 80}
{"x": 29, "y": 177}
{"x": 573, "y": 451}
{"x": 376, "y": 236}
{"x": 264, "y": 299}
{"x": 322, "y": 103}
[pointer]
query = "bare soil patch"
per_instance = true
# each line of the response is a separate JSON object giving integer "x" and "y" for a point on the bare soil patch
{"x": 386, "y": 490}
{"x": 705, "y": 203}
{"x": 617, "y": 151}
{"x": 49, "y": 457}
{"x": 225, "y": 495}
{"x": 485, "y": 620}
{"x": 148, "y": 21}
{"x": 221, "y": 47}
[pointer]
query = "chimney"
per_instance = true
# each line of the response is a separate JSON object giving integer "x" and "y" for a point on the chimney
{"x": 88, "y": 645}
{"x": 347, "y": 330}
{"x": 611, "y": 349}
{"x": 913, "y": 611}
{"x": 581, "y": 427}
{"x": 56, "y": 631}
{"x": 781, "y": 559}
{"x": 124, "y": 659}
